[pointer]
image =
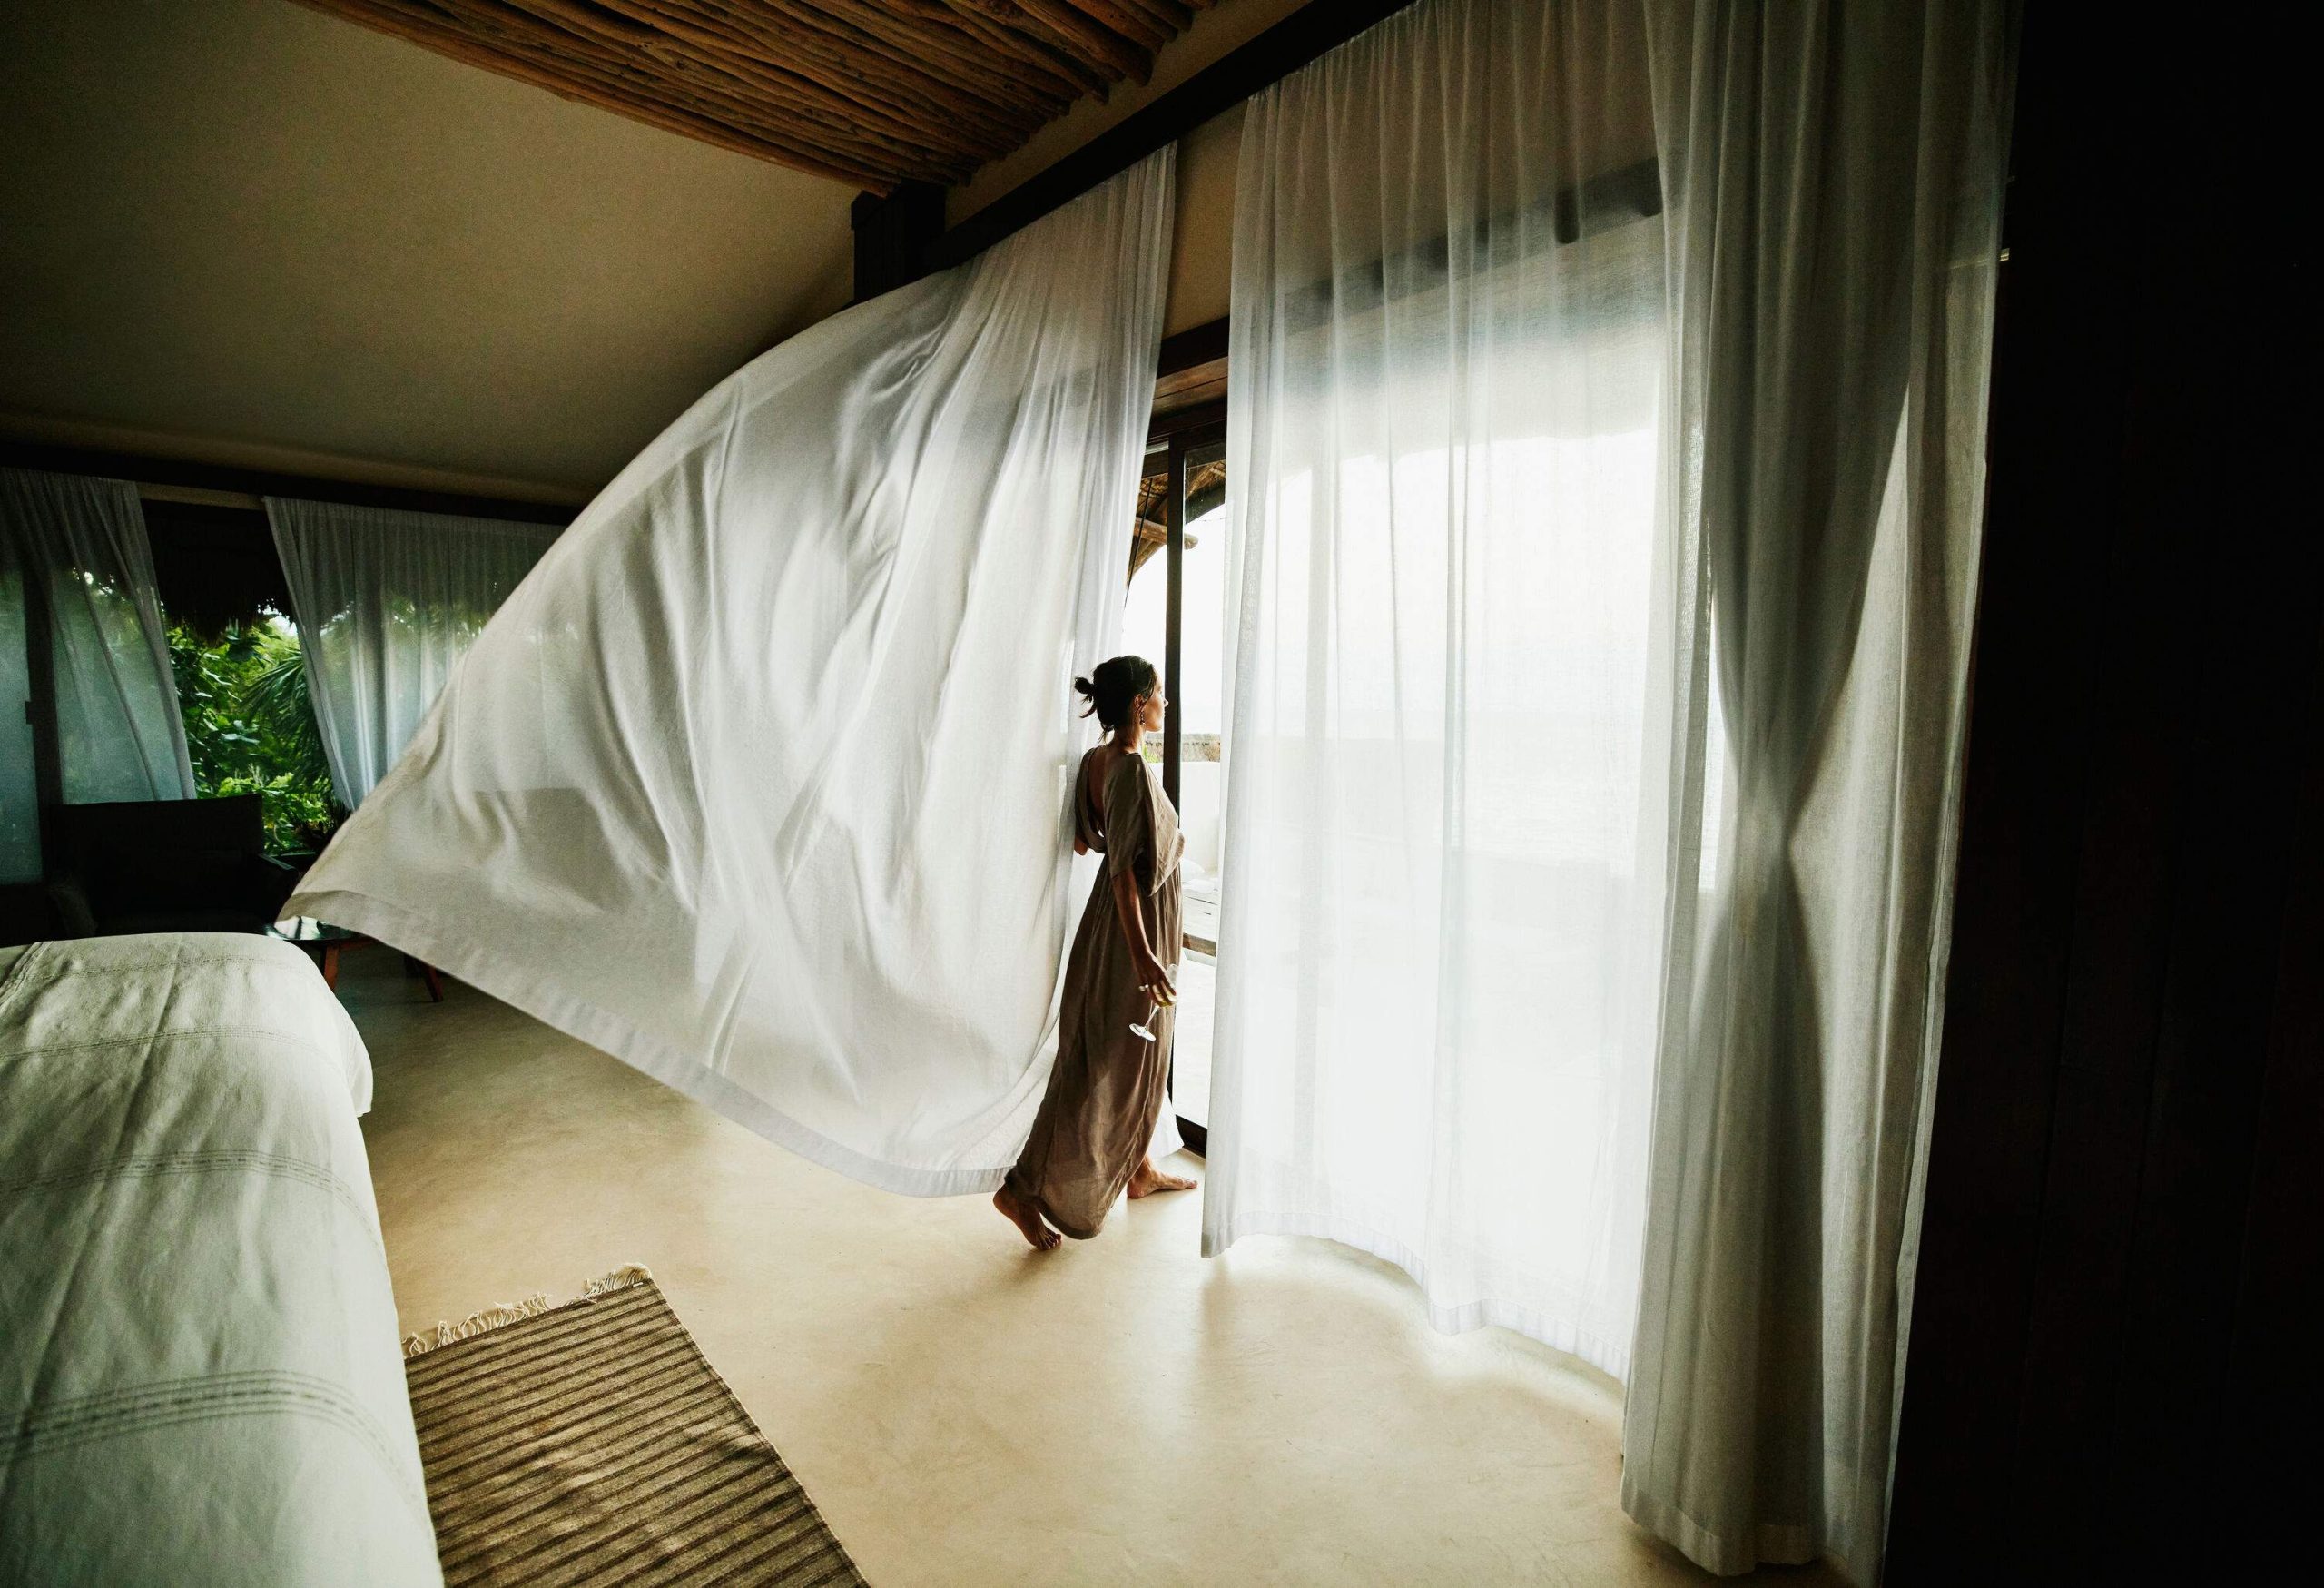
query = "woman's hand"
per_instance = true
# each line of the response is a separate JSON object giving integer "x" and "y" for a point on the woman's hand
{"x": 1152, "y": 977}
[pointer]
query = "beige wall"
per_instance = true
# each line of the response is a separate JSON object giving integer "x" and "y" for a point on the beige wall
{"x": 240, "y": 231}
{"x": 1202, "y": 241}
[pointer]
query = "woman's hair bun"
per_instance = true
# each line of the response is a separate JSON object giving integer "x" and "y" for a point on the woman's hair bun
{"x": 1113, "y": 687}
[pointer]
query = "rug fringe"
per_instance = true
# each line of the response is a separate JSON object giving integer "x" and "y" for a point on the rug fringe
{"x": 509, "y": 1312}
{"x": 621, "y": 1279}
{"x": 475, "y": 1324}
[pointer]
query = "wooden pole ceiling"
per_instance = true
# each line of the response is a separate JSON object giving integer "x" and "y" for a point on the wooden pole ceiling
{"x": 867, "y": 92}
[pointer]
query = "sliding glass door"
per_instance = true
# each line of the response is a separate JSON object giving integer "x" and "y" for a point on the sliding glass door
{"x": 19, "y": 754}
{"x": 1176, "y": 617}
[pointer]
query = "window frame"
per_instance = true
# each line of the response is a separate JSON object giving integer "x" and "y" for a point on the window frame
{"x": 1200, "y": 426}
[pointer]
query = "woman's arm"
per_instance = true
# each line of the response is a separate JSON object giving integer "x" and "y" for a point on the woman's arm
{"x": 1129, "y": 836}
{"x": 1150, "y": 973}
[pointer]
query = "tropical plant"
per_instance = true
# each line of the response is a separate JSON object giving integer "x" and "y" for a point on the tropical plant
{"x": 249, "y": 727}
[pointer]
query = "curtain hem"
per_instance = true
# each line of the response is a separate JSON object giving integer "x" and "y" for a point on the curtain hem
{"x": 503, "y": 979}
{"x": 1445, "y": 1319}
{"x": 1770, "y": 1544}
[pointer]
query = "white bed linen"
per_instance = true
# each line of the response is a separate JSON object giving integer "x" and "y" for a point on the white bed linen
{"x": 199, "y": 1378}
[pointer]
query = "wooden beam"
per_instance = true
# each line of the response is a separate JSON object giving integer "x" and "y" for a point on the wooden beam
{"x": 1097, "y": 47}
{"x": 1225, "y": 83}
{"x": 976, "y": 18}
{"x": 893, "y": 236}
{"x": 939, "y": 45}
{"x": 1201, "y": 344}
{"x": 1173, "y": 15}
{"x": 1139, "y": 27}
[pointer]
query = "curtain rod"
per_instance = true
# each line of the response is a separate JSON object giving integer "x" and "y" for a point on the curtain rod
{"x": 169, "y": 480}
{"x": 197, "y": 496}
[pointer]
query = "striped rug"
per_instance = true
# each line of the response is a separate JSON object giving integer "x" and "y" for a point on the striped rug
{"x": 592, "y": 1444}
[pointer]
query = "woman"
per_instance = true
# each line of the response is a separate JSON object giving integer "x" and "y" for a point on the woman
{"x": 1090, "y": 1141}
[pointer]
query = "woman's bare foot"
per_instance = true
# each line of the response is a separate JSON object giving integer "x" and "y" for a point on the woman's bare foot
{"x": 1145, "y": 1180}
{"x": 1025, "y": 1218}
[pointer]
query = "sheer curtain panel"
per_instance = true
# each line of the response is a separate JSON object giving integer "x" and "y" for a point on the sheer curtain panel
{"x": 759, "y": 781}
{"x": 1608, "y": 408}
{"x": 387, "y": 604}
{"x": 1448, "y": 789}
{"x": 86, "y": 570}
{"x": 1833, "y": 174}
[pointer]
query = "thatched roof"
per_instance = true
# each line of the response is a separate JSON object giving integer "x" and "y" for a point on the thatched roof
{"x": 1205, "y": 489}
{"x": 868, "y": 91}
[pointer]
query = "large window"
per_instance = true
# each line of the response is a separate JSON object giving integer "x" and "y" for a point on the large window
{"x": 249, "y": 727}
{"x": 19, "y": 776}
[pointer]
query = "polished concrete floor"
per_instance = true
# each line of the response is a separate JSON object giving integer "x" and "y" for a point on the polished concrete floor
{"x": 964, "y": 1411}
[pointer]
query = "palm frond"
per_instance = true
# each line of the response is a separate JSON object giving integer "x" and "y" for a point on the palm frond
{"x": 276, "y": 696}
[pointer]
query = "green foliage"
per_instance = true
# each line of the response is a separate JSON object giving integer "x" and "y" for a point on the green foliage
{"x": 251, "y": 729}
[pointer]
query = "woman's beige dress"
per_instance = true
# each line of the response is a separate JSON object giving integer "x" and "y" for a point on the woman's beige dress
{"x": 1107, "y": 1092}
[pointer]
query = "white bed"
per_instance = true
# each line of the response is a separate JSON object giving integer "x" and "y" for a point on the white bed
{"x": 199, "y": 1378}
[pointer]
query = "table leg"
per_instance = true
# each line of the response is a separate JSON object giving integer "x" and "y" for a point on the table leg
{"x": 331, "y": 966}
{"x": 435, "y": 980}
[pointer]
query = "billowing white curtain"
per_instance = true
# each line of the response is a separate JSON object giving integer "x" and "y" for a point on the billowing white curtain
{"x": 386, "y": 603}
{"x": 1835, "y": 175}
{"x": 79, "y": 543}
{"x": 759, "y": 781}
{"x": 1607, "y": 407}
{"x": 1447, "y": 790}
